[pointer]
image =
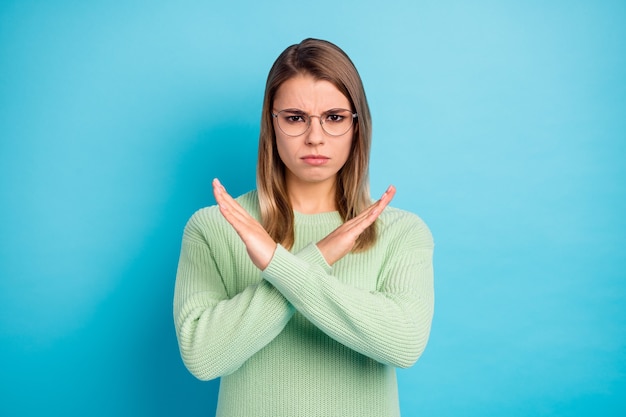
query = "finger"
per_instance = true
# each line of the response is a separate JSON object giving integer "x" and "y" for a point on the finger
{"x": 389, "y": 193}
{"x": 221, "y": 195}
{"x": 361, "y": 222}
{"x": 232, "y": 211}
{"x": 377, "y": 207}
{"x": 386, "y": 198}
{"x": 224, "y": 199}
{"x": 218, "y": 192}
{"x": 358, "y": 224}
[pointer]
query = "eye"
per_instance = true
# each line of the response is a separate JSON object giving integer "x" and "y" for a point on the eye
{"x": 335, "y": 118}
{"x": 293, "y": 117}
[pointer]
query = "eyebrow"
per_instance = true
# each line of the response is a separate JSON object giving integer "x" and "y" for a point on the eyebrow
{"x": 298, "y": 111}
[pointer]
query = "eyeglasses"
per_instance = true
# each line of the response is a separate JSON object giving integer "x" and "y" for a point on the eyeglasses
{"x": 293, "y": 122}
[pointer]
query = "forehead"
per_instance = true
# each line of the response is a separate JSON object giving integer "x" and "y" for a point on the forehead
{"x": 307, "y": 93}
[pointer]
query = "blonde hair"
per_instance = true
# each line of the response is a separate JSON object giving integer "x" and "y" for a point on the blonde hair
{"x": 324, "y": 61}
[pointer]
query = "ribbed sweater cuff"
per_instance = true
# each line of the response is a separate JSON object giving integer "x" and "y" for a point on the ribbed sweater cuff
{"x": 286, "y": 270}
{"x": 313, "y": 256}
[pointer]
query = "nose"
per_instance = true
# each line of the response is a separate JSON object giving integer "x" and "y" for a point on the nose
{"x": 315, "y": 134}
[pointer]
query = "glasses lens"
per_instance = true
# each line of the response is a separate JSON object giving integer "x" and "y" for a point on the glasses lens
{"x": 296, "y": 123}
{"x": 292, "y": 123}
{"x": 337, "y": 122}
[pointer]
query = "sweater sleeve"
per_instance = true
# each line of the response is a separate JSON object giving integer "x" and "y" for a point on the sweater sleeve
{"x": 217, "y": 333}
{"x": 390, "y": 325}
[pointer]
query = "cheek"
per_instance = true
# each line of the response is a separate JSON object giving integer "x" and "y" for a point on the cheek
{"x": 345, "y": 151}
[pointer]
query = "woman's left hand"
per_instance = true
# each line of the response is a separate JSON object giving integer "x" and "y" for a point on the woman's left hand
{"x": 259, "y": 243}
{"x": 342, "y": 240}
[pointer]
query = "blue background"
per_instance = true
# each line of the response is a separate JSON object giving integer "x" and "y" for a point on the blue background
{"x": 501, "y": 123}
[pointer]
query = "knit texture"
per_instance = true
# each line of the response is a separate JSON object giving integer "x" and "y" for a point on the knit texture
{"x": 302, "y": 338}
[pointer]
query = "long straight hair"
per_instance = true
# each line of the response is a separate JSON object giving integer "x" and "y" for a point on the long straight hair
{"x": 323, "y": 61}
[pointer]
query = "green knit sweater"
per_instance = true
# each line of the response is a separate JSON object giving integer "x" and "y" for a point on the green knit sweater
{"x": 302, "y": 338}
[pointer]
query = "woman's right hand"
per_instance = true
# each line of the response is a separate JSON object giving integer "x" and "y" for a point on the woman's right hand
{"x": 259, "y": 243}
{"x": 342, "y": 240}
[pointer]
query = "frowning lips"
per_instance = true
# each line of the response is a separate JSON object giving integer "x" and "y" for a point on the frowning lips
{"x": 315, "y": 159}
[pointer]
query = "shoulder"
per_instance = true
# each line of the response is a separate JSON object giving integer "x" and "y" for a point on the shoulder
{"x": 398, "y": 224}
{"x": 209, "y": 221}
{"x": 250, "y": 202}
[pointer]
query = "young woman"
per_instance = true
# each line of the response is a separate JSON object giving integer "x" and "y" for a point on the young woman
{"x": 304, "y": 296}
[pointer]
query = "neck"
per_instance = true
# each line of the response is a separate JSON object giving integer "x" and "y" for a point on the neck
{"x": 312, "y": 197}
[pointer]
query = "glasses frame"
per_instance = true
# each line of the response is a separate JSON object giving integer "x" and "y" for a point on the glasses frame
{"x": 310, "y": 117}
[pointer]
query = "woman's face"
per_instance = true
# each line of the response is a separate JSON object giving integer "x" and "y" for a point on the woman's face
{"x": 315, "y": 156}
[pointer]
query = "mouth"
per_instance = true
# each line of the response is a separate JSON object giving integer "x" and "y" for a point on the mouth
{"x": 315, "y": 159}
